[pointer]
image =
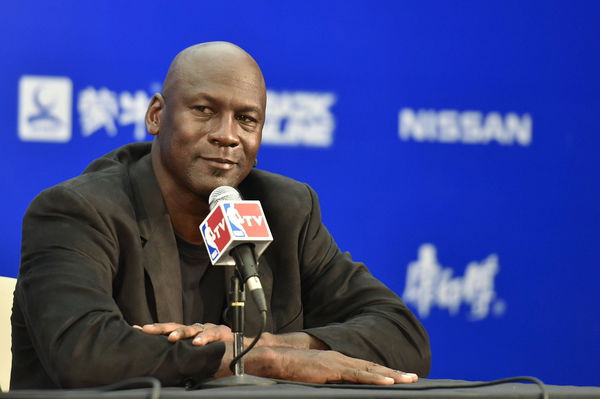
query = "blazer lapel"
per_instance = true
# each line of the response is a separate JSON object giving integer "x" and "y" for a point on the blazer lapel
{"x": 160, "y": 255}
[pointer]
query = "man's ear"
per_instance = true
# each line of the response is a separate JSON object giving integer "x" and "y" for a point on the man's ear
{"x": 153, "y": 113}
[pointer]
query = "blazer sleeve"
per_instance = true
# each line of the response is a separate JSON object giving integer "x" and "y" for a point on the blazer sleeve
{"x": 70, "y": 256}
{"x": 351, "y": 311}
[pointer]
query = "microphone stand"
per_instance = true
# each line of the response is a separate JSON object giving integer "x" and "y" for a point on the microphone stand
{"x": 237, "y": 306}
{"x": 237, "y": 300}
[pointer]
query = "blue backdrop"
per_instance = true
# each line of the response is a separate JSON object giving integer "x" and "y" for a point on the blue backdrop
{"x": 452, "y": 143}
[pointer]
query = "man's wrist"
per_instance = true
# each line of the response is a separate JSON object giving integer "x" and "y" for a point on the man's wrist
{"x": 225, "y": 361}
{"x": 261, "y": 361}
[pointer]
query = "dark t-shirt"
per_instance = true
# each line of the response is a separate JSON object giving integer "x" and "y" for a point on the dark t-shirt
{"x": 201, "y": 283}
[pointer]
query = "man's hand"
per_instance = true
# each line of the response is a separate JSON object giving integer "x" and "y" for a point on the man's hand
{"x": 314, "y": 366}
{"x": 202, "y": 334}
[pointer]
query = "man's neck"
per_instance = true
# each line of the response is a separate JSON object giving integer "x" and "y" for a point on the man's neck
{"x": 186, "y": 226}
{"x": 186, "y": 210}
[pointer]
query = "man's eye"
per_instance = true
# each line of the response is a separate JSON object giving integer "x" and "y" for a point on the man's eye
{"x": 203, "y": 109}
{"x": 246, "y": 118}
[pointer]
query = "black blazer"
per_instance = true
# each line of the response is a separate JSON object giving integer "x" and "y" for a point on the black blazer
{"x": 99, "y": 255}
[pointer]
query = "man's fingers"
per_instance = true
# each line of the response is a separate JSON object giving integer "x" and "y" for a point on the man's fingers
{"x": 161, "y": 328}
{"x": 185, "y": 332}
{"x": 202, "y": 334}
{"x": 370, "y": 376}
{"x": 365, "y": 372}
{"x": 175, "y": 331}
{"x": 399, "y": 377}
{"x": 360, "y": 376}
{"x": 213, "y": 333}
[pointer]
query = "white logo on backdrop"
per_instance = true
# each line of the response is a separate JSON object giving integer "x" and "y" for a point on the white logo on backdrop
{"x": 98, "y": 109}
{"x": 429, "y": 285}
{"x": 45, "y": 108}
{"x": 103, "y": 109}
{"x": 467, "y": 127}
{"x": 299, "y": 118}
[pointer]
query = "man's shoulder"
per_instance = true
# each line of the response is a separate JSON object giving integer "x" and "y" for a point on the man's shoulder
{"x": 261, "y": 183}
{"x": 105, "y": 181}
{"x": 120, "y": 158}
{"x": 277, "y": 192}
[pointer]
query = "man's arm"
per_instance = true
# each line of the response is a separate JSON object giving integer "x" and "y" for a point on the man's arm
{"x": 70, "y": 257}
{"x": 350, "y": 311}
{"x": 314, "y": 366}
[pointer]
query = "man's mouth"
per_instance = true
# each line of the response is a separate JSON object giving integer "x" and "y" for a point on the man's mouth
{"x": 220, "y": 163}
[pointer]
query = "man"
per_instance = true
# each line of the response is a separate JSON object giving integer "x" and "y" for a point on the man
{"x": 114, "y": 281}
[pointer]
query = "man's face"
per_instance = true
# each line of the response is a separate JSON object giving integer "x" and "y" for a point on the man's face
{"x": 210, "y": 126}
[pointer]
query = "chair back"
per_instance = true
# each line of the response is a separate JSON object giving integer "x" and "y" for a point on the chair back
{"x": 7, "y": 287}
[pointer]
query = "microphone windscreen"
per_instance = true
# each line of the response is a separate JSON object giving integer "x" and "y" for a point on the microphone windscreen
{"x": 223, "y": 193}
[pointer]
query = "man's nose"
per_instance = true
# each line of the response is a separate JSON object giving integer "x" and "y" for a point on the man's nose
{"x": 225, "y": 134}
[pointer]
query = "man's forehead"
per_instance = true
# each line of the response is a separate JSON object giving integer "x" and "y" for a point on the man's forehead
{"x": 240, "y": 91}
{"x": 229, "y": 74}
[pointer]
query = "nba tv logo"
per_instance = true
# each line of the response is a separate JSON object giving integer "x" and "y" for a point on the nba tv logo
{"x": 45, "y": 108}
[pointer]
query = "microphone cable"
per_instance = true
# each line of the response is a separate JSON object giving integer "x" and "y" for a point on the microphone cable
{"x": 263, "y": 323}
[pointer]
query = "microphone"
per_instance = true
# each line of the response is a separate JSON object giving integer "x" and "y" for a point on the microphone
{"x": 236, "y": 233}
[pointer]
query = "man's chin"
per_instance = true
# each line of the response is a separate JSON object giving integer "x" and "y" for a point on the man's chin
{"x": 206, "y": 187}
{"x": 204, "y": 180}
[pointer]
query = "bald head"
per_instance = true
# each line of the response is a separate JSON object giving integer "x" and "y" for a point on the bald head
{"x": 207, "y": 60}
